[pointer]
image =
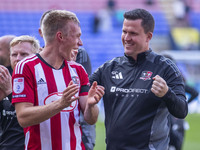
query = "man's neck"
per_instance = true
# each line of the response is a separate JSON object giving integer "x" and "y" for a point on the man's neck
{"x": 51, "y": 57}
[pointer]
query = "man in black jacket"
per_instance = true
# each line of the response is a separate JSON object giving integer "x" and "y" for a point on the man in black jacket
{"x": 141, "y": 90}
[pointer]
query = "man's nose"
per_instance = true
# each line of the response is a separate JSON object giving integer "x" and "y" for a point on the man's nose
{"x": 127, "y": 37}
{"x": 80, "y": 42}
{"x": 19, "y": 57}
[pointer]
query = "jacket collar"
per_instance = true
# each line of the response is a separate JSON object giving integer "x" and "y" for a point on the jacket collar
{"x": 140, "y": 58}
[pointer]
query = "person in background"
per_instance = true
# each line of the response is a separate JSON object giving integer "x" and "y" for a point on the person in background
{"x": 193, "y": 93}
{"x": 12, "y": 136}
{"x": 89, "y": 131}
{"x": 5, "y": 50}
{"x": 21, "y": 47}
{"x": 4, "y": 67}
{"x": 181, "y": 10}
{"x": 142, "y": 89}
{"x": 81, "y": 56}
{"x": 177, "y": 131}
{"x": 149, "y": 2}
{"x": 49, "y": 90}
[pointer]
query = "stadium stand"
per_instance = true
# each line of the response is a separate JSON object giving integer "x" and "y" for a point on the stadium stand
{"x": 22, "y": 17}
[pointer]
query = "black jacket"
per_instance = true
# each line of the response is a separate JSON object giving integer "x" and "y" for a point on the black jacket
{"x": 11, "y": 134}
{"x": 134, "y": 117}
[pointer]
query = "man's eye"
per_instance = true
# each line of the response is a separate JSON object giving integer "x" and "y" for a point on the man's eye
{"x": 14, "y": 55}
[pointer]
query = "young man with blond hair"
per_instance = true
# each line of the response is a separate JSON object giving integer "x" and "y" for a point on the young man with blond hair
{"x": 49, "y": 90}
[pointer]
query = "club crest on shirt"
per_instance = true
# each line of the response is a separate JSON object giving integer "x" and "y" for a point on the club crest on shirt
{"x": 18, "y": 85}
{"x": 57, "y": 95}
{"x": 146, "y": 75}
{"x": 75, "y": 80}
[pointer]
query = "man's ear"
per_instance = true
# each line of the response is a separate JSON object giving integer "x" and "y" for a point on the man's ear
{"x": 149, "y": 36}
{"x": 59, "y": 35}
{"x": 40, "y": 32}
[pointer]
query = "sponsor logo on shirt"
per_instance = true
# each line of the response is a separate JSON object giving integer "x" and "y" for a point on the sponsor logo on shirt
{"x": 57, "y": 95}
{"x": 116, "y": 75}
{"x": 18, "y": 85}
{"x": 41, "y": 81}
{"x": 146, "y": 75}
{"x": 130, "y": 90}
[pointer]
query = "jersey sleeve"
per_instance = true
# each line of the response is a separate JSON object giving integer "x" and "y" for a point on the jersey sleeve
{"x": 84, "y": 80}
{"x": 23, "y": 85}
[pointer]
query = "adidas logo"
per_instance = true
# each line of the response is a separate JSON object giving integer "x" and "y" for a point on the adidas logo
{"x": 117, "y": 75}
{"x": 41, "y": 81}
{"x": 6, "y": 99}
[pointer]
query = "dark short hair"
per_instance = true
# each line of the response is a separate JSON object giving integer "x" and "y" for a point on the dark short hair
{"x": 147, "y": 23}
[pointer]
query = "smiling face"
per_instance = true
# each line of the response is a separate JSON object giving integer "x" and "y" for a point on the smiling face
{"x": 71, "y": 39}
{"x": 134, "y": 39}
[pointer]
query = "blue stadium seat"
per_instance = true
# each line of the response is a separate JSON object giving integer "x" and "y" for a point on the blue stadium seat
{"x": 101, "y": 46}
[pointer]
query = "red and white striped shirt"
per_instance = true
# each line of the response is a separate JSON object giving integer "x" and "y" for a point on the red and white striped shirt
{"x": 37, "y": 82}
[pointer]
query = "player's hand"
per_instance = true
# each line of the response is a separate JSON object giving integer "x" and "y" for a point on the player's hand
{"x": 69, "y": 94}
{"x": 159, "y": 86}
{"x": 95, "y": 93}
{"x": 5, "y": 80}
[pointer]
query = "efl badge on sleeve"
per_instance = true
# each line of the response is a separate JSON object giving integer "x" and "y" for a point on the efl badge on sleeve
{"x": 18, "y": 85}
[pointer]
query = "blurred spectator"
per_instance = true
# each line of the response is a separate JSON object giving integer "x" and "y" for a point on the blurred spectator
{"x": 177, "y": 133}
{"x": 5, "y": 50}
{"x": 149, "y": 2}
{"x": 96, "y": 23}
{"x": 181, "y": 10}
{"x": 84, "y": 59}
{"x": 5, "y": 62}
{"x": 111, "y": 5}
{"x": 103, "y": 18}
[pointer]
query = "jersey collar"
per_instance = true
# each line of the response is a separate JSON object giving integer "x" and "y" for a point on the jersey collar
{"x": 39, "y": 56}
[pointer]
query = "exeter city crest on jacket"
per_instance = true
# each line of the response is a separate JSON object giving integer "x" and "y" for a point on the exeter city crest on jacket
{"x": 146, "y": 75}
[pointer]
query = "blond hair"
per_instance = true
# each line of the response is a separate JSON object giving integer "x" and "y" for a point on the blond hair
{"x": 54, "y": 21}
{"x": 26, "y": 38}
